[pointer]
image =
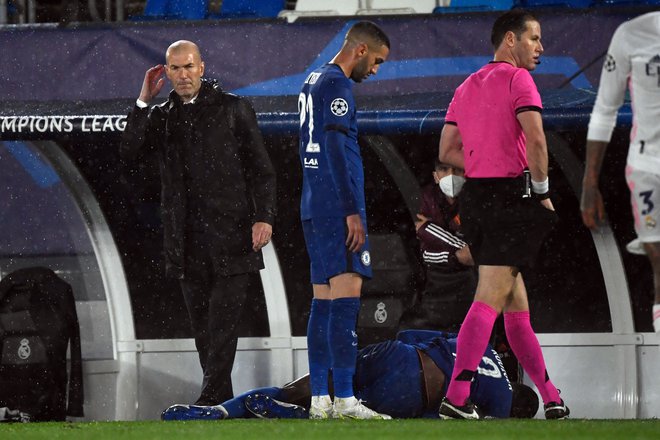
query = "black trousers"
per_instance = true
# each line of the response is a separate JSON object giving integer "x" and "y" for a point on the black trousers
{"x": 215, "y": 304}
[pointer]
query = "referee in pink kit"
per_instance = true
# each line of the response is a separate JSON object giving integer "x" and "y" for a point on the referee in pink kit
{"x": 493, "y": 130}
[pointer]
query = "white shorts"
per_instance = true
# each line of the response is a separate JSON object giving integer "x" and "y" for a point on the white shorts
{"x": 645, "y": 200}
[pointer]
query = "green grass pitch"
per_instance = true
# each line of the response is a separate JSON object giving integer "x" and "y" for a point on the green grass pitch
{"x": 339, "y": 430}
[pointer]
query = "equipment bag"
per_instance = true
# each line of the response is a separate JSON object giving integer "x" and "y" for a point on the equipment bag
{"x": 38, "y": 319}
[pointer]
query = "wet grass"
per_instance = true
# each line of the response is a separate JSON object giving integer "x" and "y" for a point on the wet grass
{"x": 339, "y": 430}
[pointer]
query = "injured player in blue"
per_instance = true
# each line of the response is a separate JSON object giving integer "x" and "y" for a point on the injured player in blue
{"x": 405, "y": 378}
{"x": 265, "y": 407}
{"x": 194, "y": 412}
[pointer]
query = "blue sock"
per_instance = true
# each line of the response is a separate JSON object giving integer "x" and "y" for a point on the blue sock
{"x": 236, "y": 407}
{"x": 318, "y": 352}
{"x": 343, "y": 343}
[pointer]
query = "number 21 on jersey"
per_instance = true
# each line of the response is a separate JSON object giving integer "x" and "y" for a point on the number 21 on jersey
{"x": 306, "y": 110}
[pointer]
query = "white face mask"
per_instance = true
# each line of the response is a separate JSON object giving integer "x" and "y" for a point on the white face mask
{"x": 451, "y": 185}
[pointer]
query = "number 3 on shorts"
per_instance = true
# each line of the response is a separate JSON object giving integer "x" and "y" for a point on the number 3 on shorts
{"x": 646, "y": 200}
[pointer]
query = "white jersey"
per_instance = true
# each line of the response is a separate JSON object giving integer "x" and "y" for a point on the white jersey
{"x": 633, "y": 62}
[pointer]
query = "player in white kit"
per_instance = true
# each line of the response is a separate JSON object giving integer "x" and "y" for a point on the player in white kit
{"x": 632, "y": 63}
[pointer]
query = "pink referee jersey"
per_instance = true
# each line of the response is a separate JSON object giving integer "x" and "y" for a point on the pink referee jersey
{"x": 484, "y": 109}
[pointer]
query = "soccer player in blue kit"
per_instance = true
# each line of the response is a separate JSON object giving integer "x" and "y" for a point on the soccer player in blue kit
{"x": 333, "y": 215}
{"x": 406, "y": 378}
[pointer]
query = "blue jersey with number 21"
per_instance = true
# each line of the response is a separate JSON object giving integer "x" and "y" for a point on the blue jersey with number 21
{"x": 333, "y": 177}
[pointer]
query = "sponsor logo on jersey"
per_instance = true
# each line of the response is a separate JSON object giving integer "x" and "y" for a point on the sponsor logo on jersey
{"x": 311, "y": 163}
{"x": 339, "y": 107}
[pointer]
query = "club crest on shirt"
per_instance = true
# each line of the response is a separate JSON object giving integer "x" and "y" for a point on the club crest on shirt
{"x": 365, "y": 257}
{"x": 380, "y": 315}
{"x": 339, "y": 107}
{"x": 610, "y": 63}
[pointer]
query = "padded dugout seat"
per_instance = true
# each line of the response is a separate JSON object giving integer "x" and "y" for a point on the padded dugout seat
{"x": 389, "y": 292}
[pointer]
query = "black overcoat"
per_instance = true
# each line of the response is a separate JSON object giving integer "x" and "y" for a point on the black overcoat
{"x": 211, "y": 155}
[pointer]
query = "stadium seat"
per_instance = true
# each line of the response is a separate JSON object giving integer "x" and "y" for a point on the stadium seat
{"x": 174, "y": 10}
{"x": 626, "y": 2}
{"x": 249, "y": 8}
{"x": 378, "y": 7}
{"x": 317, "y": 8}
{"x": 155, "y": 8}
{"x": 555, "y": 3}
{"x": 473, "y": 6}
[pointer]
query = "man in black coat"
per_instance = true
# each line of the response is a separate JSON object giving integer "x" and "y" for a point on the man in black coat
{"x": 217, "y": 200}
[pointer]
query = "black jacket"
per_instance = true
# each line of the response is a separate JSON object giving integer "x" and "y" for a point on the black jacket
{"x": 216, "y": 175}
{"x": 38, "y": 309}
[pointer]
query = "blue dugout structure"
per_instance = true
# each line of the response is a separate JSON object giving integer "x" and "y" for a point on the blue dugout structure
{"x": 70, "y": 204}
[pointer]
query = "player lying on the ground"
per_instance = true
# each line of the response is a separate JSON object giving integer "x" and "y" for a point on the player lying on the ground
{"x": 405, "y": 378}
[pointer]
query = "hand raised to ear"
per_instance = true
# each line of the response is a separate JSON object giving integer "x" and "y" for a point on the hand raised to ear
{"x": 153, "y": 83}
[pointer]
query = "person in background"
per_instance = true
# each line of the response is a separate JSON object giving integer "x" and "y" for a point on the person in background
{"x": 633, "y": 63}
{"x": 406, "y": 377}
{"x": 494, "y": 131}
{"x": 217, "y": 201}
{"x": 333, "y": 215}
{"x": 450, "y": 275}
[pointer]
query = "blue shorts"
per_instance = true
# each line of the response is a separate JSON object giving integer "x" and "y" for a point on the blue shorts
{"x": 328, "y": 255}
